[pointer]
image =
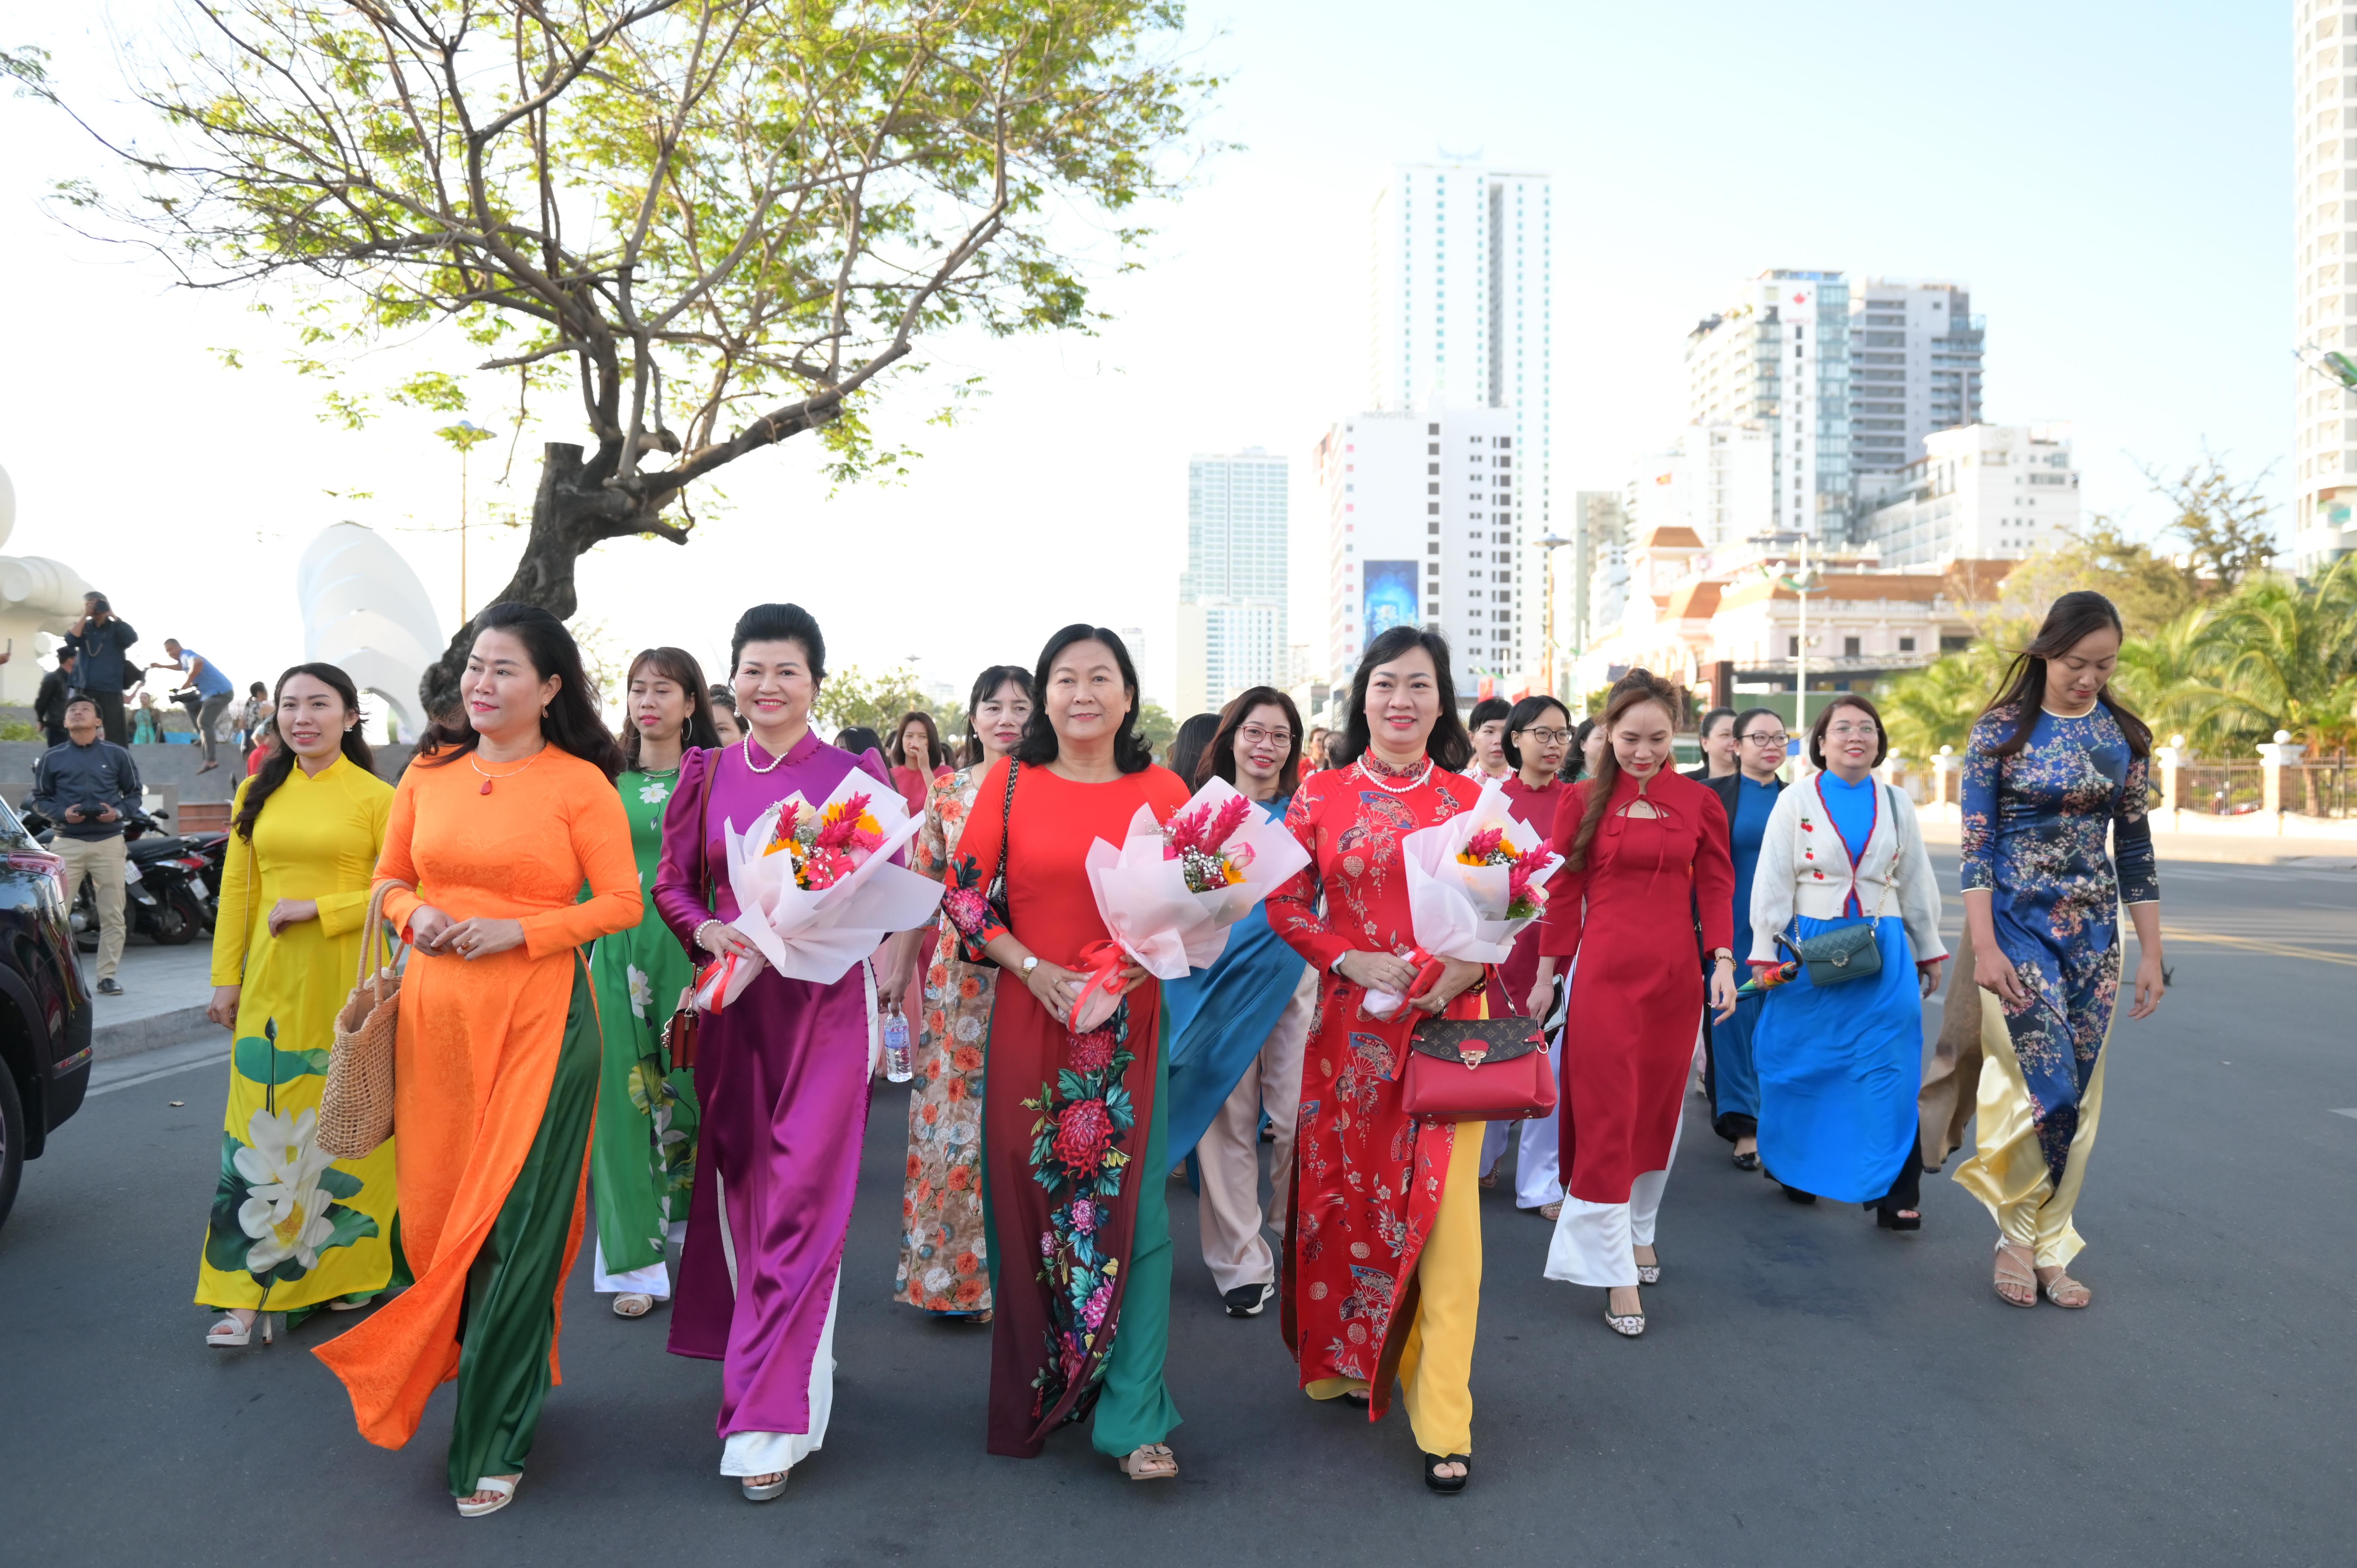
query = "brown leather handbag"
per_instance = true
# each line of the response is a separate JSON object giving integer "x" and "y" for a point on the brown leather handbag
{"x": 1479, "y": 1070}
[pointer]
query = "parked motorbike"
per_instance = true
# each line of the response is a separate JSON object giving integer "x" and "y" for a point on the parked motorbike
{"x": 165, "y": 894}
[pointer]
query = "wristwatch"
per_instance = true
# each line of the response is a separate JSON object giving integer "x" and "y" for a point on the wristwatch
{"x": 1030, "y": 961}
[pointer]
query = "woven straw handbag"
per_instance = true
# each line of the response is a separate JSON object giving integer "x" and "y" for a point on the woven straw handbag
{"x": 356, "y": 1107}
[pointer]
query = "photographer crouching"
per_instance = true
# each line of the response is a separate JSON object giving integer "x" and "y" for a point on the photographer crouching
{"x": 87, "y": 786}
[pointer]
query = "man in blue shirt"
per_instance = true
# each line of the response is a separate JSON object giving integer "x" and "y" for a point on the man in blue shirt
{"x": 207, "y": 693}
{"x": 87, "y": 786}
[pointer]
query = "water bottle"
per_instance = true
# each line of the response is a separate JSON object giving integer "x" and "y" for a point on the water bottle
{"x": 897, "y": 1068}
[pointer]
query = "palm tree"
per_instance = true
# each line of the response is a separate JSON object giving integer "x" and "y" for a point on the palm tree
{"x": 1935, "y": 706}
{"x": 2283, "y": 656}
{"x": 2167, "y": 678}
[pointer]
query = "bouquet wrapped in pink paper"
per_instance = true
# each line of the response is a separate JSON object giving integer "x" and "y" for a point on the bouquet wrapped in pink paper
{"x": 816, "y": 889}
{"x": 1169, "y": 891}
{"x": 1473, "y": 883}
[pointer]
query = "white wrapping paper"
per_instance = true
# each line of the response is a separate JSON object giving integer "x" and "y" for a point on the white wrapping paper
{"x": 1460, "y": 911}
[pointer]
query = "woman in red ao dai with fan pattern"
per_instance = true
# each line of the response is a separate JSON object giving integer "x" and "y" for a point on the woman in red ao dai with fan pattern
{"x": 1382, "y": 1266}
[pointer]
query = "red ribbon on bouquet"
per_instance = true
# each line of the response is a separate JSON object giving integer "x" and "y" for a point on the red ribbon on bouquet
{"x": 1428, "y": 971}
{"x": 717, "y": 974}
{"x": 1103, "y": 961}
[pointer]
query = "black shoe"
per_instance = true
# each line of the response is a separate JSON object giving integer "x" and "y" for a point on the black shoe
{"x": 1794, "y": 1195}
{"x": 1245, "y": 1301}
{"x": 1749, "y": 1161}
{"x": 108, "y": 988}
{"x": 1891, "y": 1219}
{"x": 1448, "y": 1486}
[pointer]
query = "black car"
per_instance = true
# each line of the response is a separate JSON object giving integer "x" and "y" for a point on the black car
{"x": 45, "y": 1011}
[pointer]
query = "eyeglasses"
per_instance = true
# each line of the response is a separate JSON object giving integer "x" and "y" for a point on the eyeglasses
{"x": 1255, "y": 735}
{"x": 1776, "y": 739}
{"x": 1848, "y": 732}
{"x": 1545, "y": 736}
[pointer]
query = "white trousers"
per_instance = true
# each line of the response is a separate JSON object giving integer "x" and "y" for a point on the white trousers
{"x": 772, "y": 1453}
{"x": 1593, "y": 1241}
{"x": 654, "y": 1280}
{"x": 1228, "y": 1157}
{"x": 1538, "y": 1164}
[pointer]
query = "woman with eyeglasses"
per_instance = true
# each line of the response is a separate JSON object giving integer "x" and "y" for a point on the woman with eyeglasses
{"x": 1237, "y": 1028}
{"x": 1538, "y": 738}
{"x": 1749, "y": 795}
{"x": 1840, "y": 1061}
{"x": 944, "y": 1264}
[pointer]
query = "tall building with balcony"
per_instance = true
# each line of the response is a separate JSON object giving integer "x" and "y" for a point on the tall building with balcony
{"x": 1777, "y": 359}
{"x": 1914, "y": 367}
{"x": 1461, "y": 297}
{"x": 1414, "y": 503}
{"x": 1232, "y": 598}
{"x": 2324, "y": 245}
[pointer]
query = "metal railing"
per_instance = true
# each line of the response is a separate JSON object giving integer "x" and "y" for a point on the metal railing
{"x": 2321, "y": 789}
{"x": 2220, "y": 789}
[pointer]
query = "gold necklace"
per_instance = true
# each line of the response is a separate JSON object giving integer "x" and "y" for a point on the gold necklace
{"x": 474, "y": 763}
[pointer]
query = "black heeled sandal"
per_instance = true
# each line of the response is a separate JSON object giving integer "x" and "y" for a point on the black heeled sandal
{"x": 1895, "y": 1220}
{"x": 1447, "y": 1486}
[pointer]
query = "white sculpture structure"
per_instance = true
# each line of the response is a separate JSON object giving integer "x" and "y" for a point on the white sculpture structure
{"x": 36, "y": 595}
{"x": 365, "y": 611}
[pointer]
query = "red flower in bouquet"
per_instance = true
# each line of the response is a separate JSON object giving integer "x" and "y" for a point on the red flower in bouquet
{"x": 1488, "y": 847}
{"x": 1524, "y": 899}
{"x": 1083, "y": 1133}
{"x": 1197, "y": 838}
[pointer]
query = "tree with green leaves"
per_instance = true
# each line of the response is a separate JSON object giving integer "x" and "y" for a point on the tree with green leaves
{"x": 2148, "y": 589}
{"x": 1935, "y": 706}
{"x": 719, "y": 224}
{"x": 2223, "y": 520}
{"x": 848, "y": 697}
{"x": 2284, "y": 656}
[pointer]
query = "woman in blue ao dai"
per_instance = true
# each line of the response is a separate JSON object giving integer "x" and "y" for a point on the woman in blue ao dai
{"x": 2054, "y": 764}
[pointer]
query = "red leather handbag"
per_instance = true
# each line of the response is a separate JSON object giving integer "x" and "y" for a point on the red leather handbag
{"x": 1479, "y": 1070}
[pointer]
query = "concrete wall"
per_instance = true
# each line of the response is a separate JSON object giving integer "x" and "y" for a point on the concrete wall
{"x": 170, "y": 771}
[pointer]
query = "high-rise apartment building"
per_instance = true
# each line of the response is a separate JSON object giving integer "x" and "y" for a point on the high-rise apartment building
{"x": 1777, "y": 359}
{"x": 1915, "y": 366}
{"x": 1462, "y": 296}
{"x": 1417, "y": 505}
{"x": 1232, "y": 598}
{"x": 1985, "y": 492}
{"x": 2324, "y": 240}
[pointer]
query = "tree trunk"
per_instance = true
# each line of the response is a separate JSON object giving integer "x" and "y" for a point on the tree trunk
{"x": 570, "y": 513}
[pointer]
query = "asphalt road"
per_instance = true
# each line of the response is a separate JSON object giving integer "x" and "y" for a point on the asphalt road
{"x": 1810, "y": 1390}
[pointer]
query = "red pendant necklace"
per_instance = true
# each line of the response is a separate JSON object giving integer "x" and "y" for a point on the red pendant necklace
{"x": 489, "y": 777}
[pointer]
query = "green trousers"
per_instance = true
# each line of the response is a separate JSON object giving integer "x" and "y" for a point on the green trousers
{"x": 508, "y": 1326}
{"x": 1135, "y": 1406}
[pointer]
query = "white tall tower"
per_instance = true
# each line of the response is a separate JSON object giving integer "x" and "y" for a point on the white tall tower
{"x": 1777, "y": 359}
{"x": 1461, "y": 299}
{"x": 1232, "y": 600}
{"x": 1915, "y": 366}
{"x": 2324, "y": 150}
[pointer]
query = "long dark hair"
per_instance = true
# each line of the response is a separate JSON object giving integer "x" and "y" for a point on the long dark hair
{"x": 1627, "y": 694}
{"x": 1575, "y": 764}
{"x": 679, "y": 667}
{"x": 571, "y": 721}
{"x": 2072, "y": 617}
{"x": 1526, "y": 713}
{"x": 936, "y": 753}
{"x": 1192, "y": 744}
{"x": 1039, "y": 746}
{"x": 985, "y": 686}
{"x": 282, "y": 761}
{"x": 1219, "y": 756}
{"x": 1448, "y": 746}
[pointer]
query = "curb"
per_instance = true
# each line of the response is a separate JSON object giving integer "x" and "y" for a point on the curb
{"x": 132, "y": 1037}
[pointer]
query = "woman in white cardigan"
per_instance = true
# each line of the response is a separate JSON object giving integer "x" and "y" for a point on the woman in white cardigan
{"x": 1840, "y": 1064}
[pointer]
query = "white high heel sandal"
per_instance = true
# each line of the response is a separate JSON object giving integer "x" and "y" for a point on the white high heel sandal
{"x": 230, "y": 1334}
{"x": 502, "y": 1489}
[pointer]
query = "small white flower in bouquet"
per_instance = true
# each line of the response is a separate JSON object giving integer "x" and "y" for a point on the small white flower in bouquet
{"x": 816, "y": 889}
{"x": 1171, "y": 891}
{"x": 1473, "y": 883}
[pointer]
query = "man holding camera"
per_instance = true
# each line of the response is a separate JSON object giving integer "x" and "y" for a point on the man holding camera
{"x": 101, "y": 643}
{"x": 87, "y": 786}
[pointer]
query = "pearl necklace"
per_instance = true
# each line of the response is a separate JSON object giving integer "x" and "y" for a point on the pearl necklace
{"x": 1380, "y": 782}
{"x": 755, "y": 766}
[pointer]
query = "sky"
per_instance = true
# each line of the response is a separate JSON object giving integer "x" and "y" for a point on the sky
{"x": 2111, "y": 181}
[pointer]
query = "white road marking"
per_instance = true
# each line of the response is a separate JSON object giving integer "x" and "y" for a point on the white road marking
{"x": 214, "y": 1059}
{"x": 2349, "y": 1114}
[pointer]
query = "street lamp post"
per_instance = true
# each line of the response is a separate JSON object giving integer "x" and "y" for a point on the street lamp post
{"x": 1552, "y": 542}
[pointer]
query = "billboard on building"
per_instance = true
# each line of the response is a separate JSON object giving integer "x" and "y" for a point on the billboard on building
{"x": 1389, "y": 596}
